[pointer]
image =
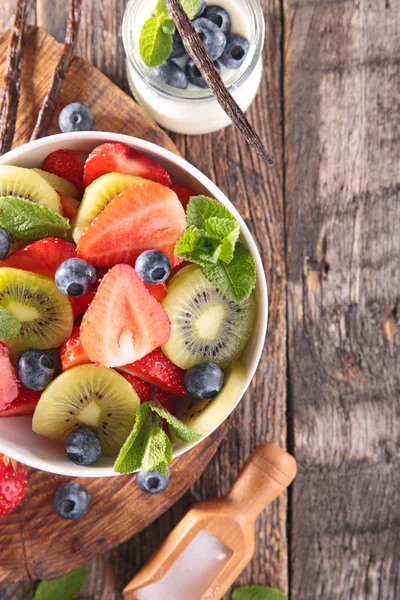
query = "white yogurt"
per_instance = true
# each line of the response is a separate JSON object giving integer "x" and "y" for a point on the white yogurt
{"x": 195, "y": 110}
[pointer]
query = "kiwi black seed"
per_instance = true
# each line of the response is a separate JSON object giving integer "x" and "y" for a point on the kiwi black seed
{"x": 205, "y": 325}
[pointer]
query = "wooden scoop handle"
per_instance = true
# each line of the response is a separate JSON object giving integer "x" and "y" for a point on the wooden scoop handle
{"x": 267, "y": 472}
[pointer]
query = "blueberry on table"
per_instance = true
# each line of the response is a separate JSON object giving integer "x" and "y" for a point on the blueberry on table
{"x": 35, "y": 369}
{"x": 194, "y": 75}
{"x": 235, "y": 52}
{"x": 71, "y": 500}
{"x": 153, "y": 266}
{"x": 178, "y": 49}
{"x": 83, "y": 446}
{"x": 213, "y": 39}
{"x": 75, "y": 117}
{"x": 204, "y": 380}
{"x": 170, "y": 73}
{"x": 5, "y": 243}
{"x": 76, "y": 277}
{"x": 152, "y": 482}
{"x": 220, "y": 17}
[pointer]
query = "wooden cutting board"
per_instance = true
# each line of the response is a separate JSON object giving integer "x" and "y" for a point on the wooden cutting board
{"x": 34, "y": 542}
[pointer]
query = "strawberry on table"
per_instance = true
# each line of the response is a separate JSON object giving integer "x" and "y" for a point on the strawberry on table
{"x": 68, "y": 164}
{"x": 124, "y": 322}
{"x": 183, "y": 193}
{"x": 12, "y": 484}
{"x": 146, "y": 217}
{"x": 156, "y": 368}
{"x": 114, "y": 157}
{"x": 9, "y": 384}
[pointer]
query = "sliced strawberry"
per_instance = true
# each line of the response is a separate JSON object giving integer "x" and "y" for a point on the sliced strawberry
{"x": 158, "y": 291}
{"x": 69, "y": 205}
{"x": 23, "y": 405}
{"x": 156, "y": 368}
{"x": 114, "y": 157}
{"x": 9, "y": 384}
{"x": 68, "y": 164}
{"x": 80, "y": 305}
{"x": 124, "y": 322}
{"x": 43, "y": 257}
{"x": 146, "y": 217}
{"x": 183, "y": 193}
{"x": 12, "y": 484}
{"x": 166, "y": 400}
{"x": 71, "y": 352}
{"x": 141, "y": 387}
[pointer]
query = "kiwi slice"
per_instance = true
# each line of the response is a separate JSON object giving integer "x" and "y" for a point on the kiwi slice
{"x": 25, "y": 183}
{"x": 205, "y": 325}
{"x": 203, "y": 416}
{"x": 44, "y": 312}
{"x": 88, "y": 396}
{"x": 181, "y": 272}
{"x": 59, "y": 183}
{"x": 97, "y": 195}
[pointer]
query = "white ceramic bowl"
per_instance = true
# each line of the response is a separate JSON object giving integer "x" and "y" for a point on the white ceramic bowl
{"x": 17, "y": 439}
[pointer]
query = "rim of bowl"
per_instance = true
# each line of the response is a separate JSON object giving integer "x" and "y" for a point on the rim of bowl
{"x": 159, "y": 153}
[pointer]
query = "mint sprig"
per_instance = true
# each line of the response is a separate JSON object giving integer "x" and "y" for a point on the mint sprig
{"x": 155, "y": 40}
{"x": 257, "y": 592}
{"x": 29, "y": 221}
{"x": 148, "y": 447}
{"x": 9, "y": 324}
{"x": 63, "y": 588}
{"x": 201, "y": 208}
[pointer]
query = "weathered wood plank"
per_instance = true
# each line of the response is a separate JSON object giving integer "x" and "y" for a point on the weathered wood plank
{"x": 342, "y": 83}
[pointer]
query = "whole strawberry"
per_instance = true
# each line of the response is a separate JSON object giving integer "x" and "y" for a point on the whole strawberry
{"x": 12, "y": 484}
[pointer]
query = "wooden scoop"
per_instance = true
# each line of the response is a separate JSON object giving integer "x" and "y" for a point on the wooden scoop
{"x": 221, "y": 556}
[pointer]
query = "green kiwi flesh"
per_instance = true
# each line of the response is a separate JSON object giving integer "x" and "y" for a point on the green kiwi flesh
{"x": 205, "y": 325}
{"x": 25, "y": 183}
{"x": 44, "y": 312}
{"x": 59, "y": 183}
{"x": 88, "y": 396}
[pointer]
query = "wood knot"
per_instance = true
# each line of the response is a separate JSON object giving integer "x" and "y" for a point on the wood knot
{"x": 391, "y": 325}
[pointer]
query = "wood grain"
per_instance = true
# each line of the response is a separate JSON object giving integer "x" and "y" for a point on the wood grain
{"x": 342, "y": 132}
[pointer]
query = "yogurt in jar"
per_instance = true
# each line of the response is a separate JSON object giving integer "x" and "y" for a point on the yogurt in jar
{"x": 194, "y": 110}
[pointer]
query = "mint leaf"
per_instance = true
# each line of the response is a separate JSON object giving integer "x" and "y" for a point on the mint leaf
{"x": 257, "y": 592}
{"x": 131, "y": 455}
{"x": 197, "y": 246}
{"x": 168, "y": 26}
{"x": 63, "y": 588}
{"x": 191, "y": 7}
{"x": 237, "y": 279}
{"x": 155, "y": 45}
{"x": 158, "y": 452}
{"x": 179, "y": 429}
{"x": 202, "y": 208}
{"x": 227, "y": 231}
{"x": 28, "y": 221}
{"x": 9, "y": 324}
{"x": 161, "y": 8}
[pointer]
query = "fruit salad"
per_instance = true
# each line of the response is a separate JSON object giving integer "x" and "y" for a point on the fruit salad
{"x": 126, "y": 301}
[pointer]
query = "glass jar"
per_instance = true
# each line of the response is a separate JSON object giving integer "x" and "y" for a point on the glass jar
{"x": 194, "y": 110}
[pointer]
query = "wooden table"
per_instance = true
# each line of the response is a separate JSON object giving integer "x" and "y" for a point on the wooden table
{"x": 327, "y": 220}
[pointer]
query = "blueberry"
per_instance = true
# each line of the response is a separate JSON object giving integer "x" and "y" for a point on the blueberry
{"x": 76, "y": 277}
{"x": 204, "y": 380}
{"x": 178, "y": 49}
{"x": 235, "y": 51}
{"x": 171, "y": 74}
{"x": 152, "y": 482}
{"x": 5, "y": 243}
{"x": 201, "y": 9}
{"x": 83, "y": 446}
{"x": 214, "y": 40}
{"x": 194, "y": 75}
{"x": 153, "y": 266}
{"x": 35, "y": 368}
{"x": 220, "y": 17}
{"x": 71, "y": 500}
{"x": 75, "y": 117}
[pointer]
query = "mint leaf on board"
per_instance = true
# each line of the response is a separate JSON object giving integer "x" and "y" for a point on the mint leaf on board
{"x": 9, "y": 324}
{"x": 257, "y": 592}
{"x": 161, "y": 8}
{"x": 168, "y": 26}
{"x": 29, "y": 221}
{"x": 191, "y": 7}
{"x": 227, "y": 231}
{"x": 202, "y": 208}
{"x": 179, "y": 429}
{"x": 131, "y": 455}
{"x": 237, "y": 279}
{"x": 155, "y": 45}
{"x": 199, "y": 247}
{"x": 64, "y": 588}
